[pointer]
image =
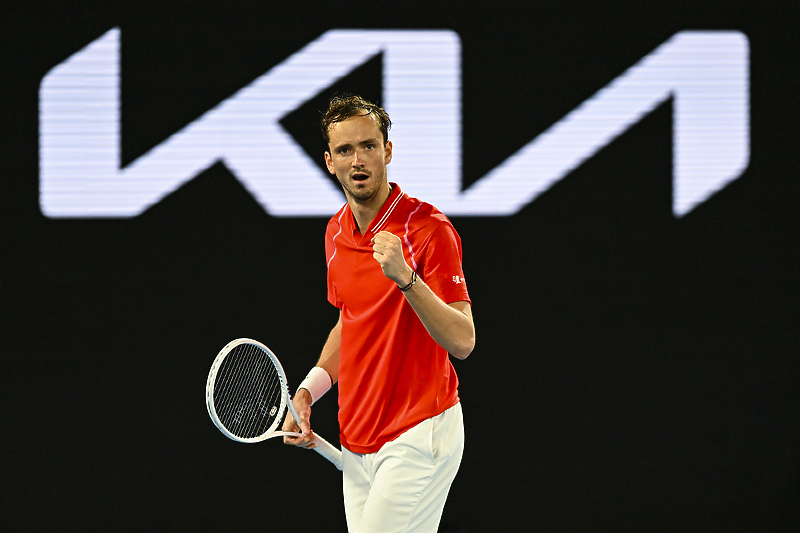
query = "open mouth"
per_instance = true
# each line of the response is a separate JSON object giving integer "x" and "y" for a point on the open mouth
{"x": 360, "y": 177}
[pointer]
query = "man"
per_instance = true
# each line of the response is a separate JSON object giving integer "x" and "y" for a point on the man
{"x": 394, "y": 272}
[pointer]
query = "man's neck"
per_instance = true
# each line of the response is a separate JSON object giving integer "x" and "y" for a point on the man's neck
{"x": 365, "y": 212}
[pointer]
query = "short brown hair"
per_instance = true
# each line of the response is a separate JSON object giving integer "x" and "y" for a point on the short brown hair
{"x": 343, "y": 107}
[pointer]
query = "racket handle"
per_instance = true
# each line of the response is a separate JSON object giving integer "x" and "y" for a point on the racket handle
{"x": 328, "y": 451}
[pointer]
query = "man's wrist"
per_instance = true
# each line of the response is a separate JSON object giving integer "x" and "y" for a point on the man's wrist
{"x": 317, "y": 383}
{"x": 410, "y": 283}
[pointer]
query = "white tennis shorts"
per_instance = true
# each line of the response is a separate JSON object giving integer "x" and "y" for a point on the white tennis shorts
{"x": 403, "y": 486}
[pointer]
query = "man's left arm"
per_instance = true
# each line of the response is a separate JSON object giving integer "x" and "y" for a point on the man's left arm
{"x": 450, "y": 325}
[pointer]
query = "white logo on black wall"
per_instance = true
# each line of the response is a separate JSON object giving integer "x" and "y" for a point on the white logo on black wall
{"x": 705, "y": 72}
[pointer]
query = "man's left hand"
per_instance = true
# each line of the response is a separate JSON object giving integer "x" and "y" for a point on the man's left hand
{"x": 388, "y": 252}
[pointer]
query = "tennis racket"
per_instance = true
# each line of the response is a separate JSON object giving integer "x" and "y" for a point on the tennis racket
{"x": 247, "y": 396}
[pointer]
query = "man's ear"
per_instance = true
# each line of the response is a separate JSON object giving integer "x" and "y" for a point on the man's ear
{"x": 388, "y": 157}
{"x": 329, "y": 163}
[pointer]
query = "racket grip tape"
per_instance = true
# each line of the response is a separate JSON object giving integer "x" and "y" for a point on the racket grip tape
{"x": 328, "y": 451}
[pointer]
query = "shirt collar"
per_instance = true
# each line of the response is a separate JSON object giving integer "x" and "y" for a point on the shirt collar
{"x": 385, "y": 212}
{"x": 386, "y": 209}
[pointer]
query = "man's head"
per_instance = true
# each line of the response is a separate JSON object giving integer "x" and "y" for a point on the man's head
{"x": 358, "y": 149}
{"x": 343, "y": 107}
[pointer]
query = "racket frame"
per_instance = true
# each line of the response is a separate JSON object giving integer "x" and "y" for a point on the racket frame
{"x": 323, "y": 447}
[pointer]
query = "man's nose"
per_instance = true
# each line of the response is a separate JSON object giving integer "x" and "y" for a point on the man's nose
{"x": 358, "y": 161}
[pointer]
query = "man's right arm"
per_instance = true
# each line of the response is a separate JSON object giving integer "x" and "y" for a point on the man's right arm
{"x": 329, "y": 359}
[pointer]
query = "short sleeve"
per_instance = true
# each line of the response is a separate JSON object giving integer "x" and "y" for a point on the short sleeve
{"x": 330, "y": 249}
{"x": 442, "y": 266}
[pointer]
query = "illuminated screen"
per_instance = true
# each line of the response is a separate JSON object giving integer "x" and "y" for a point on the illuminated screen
{"x": 705, "y": 73}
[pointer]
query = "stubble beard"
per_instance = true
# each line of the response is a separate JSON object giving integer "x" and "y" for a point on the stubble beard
{"x": 363, "y": 194}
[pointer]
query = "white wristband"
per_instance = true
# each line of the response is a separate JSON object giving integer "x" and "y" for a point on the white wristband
{"x": 317, "y": 383}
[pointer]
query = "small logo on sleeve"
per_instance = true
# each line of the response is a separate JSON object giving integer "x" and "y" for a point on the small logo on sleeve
{"x": 458, "y": 279}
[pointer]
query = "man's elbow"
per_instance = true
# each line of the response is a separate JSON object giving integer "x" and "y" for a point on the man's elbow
{"x": 464, "y": 348}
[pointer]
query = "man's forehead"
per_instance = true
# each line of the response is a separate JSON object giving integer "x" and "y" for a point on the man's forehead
{"x": 364, "y": 126}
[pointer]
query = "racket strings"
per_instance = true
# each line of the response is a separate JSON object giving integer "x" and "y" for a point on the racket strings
{"x": 248, "y": 392}
{"x": 249, "y": 398}
{"x": 261, "y": 397}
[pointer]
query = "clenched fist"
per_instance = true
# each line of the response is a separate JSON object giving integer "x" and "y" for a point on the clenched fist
{"x": 388, "y": 252}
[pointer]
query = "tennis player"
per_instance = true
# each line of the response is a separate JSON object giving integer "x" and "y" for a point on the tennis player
{"x": 394, "y": 272}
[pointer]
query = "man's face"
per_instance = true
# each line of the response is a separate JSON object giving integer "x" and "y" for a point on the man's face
{"x": 358, "y": 157}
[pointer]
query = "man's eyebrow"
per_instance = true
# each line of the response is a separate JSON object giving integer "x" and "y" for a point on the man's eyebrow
{"x": 371, "y": 140}
{"x": 342, "y": 145}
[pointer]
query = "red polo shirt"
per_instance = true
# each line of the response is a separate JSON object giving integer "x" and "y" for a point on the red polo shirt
{"x": 392, "y": 374}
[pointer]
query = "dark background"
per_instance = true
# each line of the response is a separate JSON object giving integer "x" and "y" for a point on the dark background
{"x": 634, "y": 371}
